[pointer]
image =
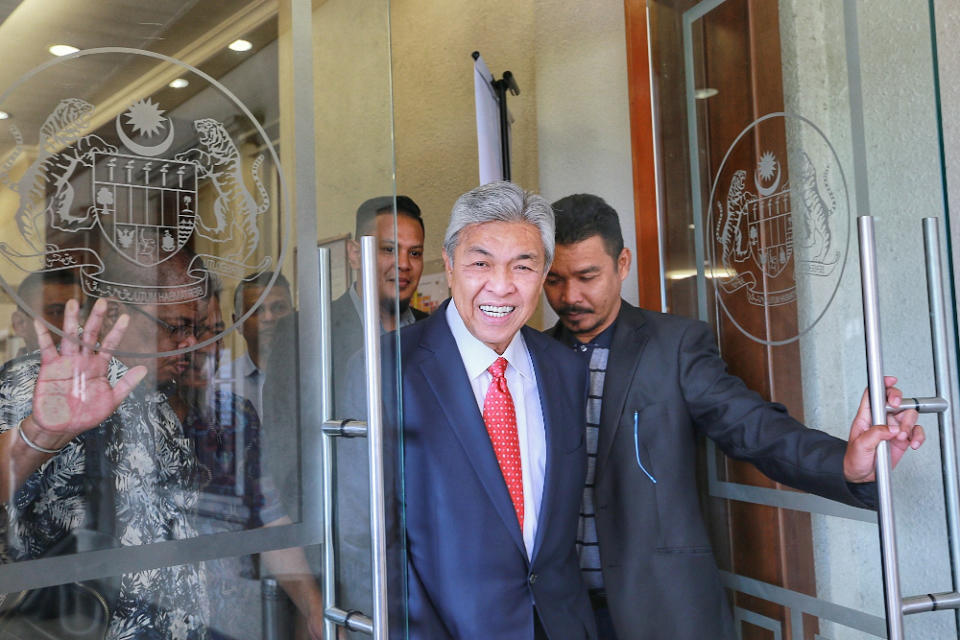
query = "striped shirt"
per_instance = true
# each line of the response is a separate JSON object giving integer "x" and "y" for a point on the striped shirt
{"x": 595, "y": 353}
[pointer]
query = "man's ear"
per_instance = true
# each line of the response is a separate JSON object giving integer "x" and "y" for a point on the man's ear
{"x": 353, "y": 254}
{"x": 623, "y": 264}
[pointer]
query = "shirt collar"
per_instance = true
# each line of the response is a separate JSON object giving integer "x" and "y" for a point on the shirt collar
{"x": 477, "y": 356}
{"x": 602, "y": 341}
{"x": 245, "y": 367}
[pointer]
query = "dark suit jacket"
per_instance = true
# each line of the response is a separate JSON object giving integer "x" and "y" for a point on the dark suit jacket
{"x": 658, "y": 567}
{"x": 468, "y": 575}
{"x": 347, "y": 331}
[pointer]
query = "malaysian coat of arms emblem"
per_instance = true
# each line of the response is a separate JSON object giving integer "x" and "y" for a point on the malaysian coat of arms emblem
{"x": 146, "y": 205}
{"x": 759, "y": 228}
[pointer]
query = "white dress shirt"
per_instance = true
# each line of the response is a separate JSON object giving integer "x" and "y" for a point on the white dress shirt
{"x": 522, "y": 382}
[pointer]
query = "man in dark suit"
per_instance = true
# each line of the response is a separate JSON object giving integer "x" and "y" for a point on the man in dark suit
{"x": 399, "y": 267}
{"x": 656, "y": 383}
{"x": 493, "y": 439}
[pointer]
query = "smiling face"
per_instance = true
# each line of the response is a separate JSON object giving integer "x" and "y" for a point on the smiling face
{"x": 495, "y": 276}
{"x": 583, "y": 286}
{"x": 400, "y": 260}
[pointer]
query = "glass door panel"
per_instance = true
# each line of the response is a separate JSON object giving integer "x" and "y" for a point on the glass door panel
{"x": 183, "y": 169}
{"x": 798, "y": 117}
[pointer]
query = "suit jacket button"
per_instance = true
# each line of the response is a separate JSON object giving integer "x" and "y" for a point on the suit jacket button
{"x": 533, "y": 578}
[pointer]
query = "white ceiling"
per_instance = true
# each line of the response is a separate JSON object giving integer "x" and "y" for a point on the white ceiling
{"x": 29, "y": 27}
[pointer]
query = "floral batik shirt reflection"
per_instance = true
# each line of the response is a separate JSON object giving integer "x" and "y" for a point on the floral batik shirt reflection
{"x": 152, "y": 469}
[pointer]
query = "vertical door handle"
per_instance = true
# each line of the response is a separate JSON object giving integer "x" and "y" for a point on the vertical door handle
{"x": 326, "y": 446}
{"x": 878, "y": 409}
{"x": 371, "y": 346}
{"x": 376, "y": 625}
{"x": 895, "y": 606}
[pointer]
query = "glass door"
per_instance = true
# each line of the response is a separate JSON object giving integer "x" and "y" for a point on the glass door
{"x": 173, "y": 168}
{"x": 797, "y": 118}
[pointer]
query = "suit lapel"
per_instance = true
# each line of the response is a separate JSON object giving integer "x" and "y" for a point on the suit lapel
{"x": 448, "y": 381}
{"x": 629, "y": 340}
{"x": 551, "y": 412}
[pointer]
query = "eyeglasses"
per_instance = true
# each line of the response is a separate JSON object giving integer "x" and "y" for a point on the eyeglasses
{"x": 178, "y": 333}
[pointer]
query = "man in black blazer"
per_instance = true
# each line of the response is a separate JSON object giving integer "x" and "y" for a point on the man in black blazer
{"x": 663, "y": 383}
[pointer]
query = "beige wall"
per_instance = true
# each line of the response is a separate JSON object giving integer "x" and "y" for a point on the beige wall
{"x": 433, "y": 93}
{"x": 571, "y": 128}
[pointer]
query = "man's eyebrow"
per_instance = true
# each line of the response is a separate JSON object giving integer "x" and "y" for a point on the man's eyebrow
{"x": 527, "y": 256}
{"x": 587, "y": 270}
{"x": 478, "y": 249}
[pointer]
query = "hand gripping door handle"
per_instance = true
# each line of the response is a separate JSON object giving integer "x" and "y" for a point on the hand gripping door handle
{"x": 377, "y": 624}
{"x": 896, "y": 606}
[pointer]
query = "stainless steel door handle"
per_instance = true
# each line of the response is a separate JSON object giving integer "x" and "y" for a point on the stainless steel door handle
{"x": 376, "y": 624}
{"x": 895, "y": 605}
{"x": 371, "y": 347}
{"x": 878, "y": 410}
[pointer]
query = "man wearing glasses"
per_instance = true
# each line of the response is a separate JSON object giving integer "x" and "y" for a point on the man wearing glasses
{"x": 89, "y": 442}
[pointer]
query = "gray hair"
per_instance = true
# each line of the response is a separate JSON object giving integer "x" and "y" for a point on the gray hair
{"x": 500, "y": 202}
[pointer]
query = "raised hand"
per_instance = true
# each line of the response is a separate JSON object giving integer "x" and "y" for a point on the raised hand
{"x": 901, "y": 430}
{"x": 73, "y": 394}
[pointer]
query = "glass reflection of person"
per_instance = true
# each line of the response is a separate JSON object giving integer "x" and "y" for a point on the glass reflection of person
{"x": 45, "y": 294}
{"x": 224, "y": 430}
{"x": 399, "y": 267}
{"x": 258, "y": 330}
{"x": 77, "y": 424}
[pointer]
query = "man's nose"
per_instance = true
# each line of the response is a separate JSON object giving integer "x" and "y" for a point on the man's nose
{"x": 403, "y": 261}
{"x": 569, "y": 292}
{"x": 188, "y": 341}
{"x": 501, "y": 281}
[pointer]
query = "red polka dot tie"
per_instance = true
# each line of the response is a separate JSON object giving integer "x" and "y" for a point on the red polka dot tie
{"x": 501, "y": 420}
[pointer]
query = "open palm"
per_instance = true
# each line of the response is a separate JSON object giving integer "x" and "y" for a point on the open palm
{"x": 73, "y": 393}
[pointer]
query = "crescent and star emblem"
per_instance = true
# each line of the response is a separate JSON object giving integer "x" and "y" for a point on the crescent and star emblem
{"x": 146, "y": 118}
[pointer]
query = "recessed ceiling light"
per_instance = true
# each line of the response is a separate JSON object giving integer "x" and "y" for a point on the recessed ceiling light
{"x": 703, "y": 94}
{"x": 240, "y": 45}
{"x": 4, "y": 115}
{"x": 179, "y": 83}
{"x": 62, "y": 49}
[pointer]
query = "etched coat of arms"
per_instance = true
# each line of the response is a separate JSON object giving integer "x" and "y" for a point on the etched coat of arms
{"x": 779, "y": 227}
{"x": 145, "y": 205}
{"x": 759, "y": 227}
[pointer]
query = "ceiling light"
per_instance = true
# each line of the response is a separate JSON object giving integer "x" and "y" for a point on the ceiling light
{"x": 62, "y": 49}
{"x": 240, "y": 45}
{"x": 703, "y": 94}
{"x": 179, "y": 83}
{"x": 4, "y": 115}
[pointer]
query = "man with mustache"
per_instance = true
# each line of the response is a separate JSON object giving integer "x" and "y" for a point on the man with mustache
{"x": 656, "y": 382}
